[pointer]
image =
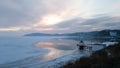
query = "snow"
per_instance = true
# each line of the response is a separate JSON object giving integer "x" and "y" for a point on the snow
{"x": 57, "y": 61}
{"x": 20, "y": 52}
{"x": 18, "y": 48}
{"x": 71, "y": 57}
{"x": 109, "y": 43}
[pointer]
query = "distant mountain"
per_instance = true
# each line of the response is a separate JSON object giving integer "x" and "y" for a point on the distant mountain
{"x": 108, "y": 33}
{"x": 103, "y": 33}
{"x": 43, "y": 34}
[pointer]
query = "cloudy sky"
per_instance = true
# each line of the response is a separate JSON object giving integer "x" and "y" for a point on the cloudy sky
{"x": 18, "y": 17}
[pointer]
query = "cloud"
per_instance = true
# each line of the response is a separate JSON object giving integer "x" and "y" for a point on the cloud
{"x": 58, "y": 16}
{"x": 93, "y": 24}
{"x": 18, "y": 13}
{"x": 10, "y": 29}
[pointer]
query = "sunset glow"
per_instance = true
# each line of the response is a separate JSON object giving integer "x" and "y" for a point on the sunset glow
{"x": 10, "y": 29}
{"x": 51, "y": 19}
{"x": 58, "y": 16}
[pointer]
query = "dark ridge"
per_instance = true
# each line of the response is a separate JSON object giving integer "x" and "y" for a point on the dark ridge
{"x": 103, "y": 33}
{"x": 108, "y": 57}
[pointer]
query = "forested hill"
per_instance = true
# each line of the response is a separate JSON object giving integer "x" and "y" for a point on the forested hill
{"x": 103, "y": 33}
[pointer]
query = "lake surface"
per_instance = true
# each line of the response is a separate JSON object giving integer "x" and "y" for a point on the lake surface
{"x": 27, "y": 51}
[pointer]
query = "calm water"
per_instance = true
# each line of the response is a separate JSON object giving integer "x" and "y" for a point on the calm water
{"x": 34, "y": 50}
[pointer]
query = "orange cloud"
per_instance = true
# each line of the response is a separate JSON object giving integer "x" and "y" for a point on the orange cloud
{"x": 44, "y": 29}
{"x": 10, "y": 29}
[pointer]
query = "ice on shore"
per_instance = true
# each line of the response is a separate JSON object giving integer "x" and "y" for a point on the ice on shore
{"x": 71, "y": 57}
{"x": 55, "y": 62}
{"x": 109, "y": 43}
{"x": 18, "y": 48}
{"x": 20, "y": 53}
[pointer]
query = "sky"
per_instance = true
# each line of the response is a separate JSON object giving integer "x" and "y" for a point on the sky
{"x": 19, "y": 17}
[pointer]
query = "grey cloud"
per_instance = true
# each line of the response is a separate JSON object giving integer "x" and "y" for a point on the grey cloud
{"x": 70, "y": 23}
{"x": 19, "y": 12}
{"x": 27, "y": 12}
{"x": 96, "y": 20}
{"x": 98, "y": 23}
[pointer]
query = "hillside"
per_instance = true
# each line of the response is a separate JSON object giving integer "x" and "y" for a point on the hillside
{"x": 43, "y": 34}
{"x": 108, "y": 57}
{"x": 103, "y": 33}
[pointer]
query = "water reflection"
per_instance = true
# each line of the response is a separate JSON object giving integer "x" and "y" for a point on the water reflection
{"x": 56, "y": 47}
{"x": 54, "y": 53}
{"x": 60, "y": 44}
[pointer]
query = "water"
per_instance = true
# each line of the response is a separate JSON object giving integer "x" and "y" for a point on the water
{"x": 29, "y": 51}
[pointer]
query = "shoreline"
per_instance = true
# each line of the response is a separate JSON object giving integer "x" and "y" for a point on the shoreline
{"x": 72, "y": 57}
{"x": 108, "y": 57}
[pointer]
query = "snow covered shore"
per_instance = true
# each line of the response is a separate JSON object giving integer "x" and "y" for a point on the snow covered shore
{"x": 20, "y": 53}
{"x": 109, "y": 43}
{"x": 75, "y": 55}
{"x": 69, "y": 56}
{"x": 58, "y": 62}
{"x": 62, "y": 59}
